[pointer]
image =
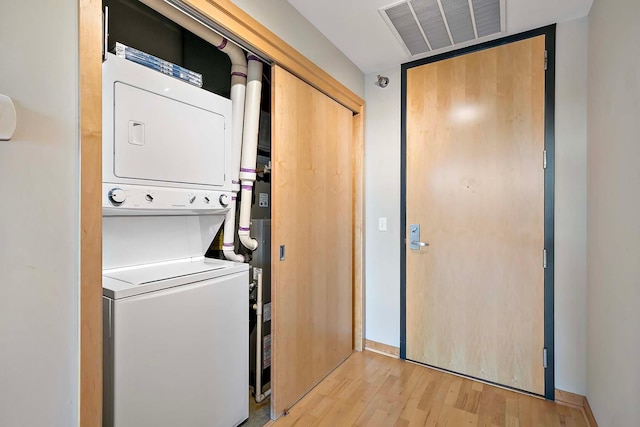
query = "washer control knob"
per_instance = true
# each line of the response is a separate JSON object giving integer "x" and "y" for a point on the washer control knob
{"x": 117, "y": 196}
{"x": 207, "y": 200}
{"x": 224, "y": 200}
{"x": 149, "y": 197}
{"x": 192, "y": 198}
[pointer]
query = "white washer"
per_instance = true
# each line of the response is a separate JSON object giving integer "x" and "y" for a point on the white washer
{"x": 171, "y": 349}
{"x": 176, "y": 344}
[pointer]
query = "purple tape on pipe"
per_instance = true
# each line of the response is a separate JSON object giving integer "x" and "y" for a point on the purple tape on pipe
{"x": 235, "y": 182}
{"x": 227, "y": 245}
{"x": 247, "y": 187}
{"x": 243, "y": 229}
{"x": 238, "y": 73}
{"x": 223, "y": 44}
{"x": 253, "y": 58}
{"x": 247, "y": 170}
{"x": 234, "y": 198}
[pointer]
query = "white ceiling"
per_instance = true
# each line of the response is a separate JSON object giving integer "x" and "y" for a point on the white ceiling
{"x": 358, "y": 30}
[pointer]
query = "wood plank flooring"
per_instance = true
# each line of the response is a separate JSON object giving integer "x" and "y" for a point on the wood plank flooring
{"x": 373, "y": 390}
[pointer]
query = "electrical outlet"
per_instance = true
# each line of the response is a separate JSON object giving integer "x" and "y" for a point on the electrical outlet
{"x": 382, "y": 224}
{"x": 263, "y": 200}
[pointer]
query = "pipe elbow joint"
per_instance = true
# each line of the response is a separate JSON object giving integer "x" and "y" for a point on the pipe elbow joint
{"x": 232, "y": 256}
{"x": 247, "y": 241}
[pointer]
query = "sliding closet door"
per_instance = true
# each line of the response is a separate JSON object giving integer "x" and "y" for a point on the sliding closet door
{"x": 312, "y": 237}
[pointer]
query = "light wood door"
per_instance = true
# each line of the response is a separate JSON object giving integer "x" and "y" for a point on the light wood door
{"x": 312, "y": 219}
{"x": 475, "y": 185}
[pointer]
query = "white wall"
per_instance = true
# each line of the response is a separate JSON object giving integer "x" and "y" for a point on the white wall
{"x": 39, "y": 215}
{"x": 382, "y": 199}
{"x": 613, "y": 246}
{"x": 382, "y": 165}
{"x": 287, "y": 23}
{"x": 570, "y": 279}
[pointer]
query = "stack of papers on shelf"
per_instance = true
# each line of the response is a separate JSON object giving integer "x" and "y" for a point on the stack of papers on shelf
{"x": 158, "y": 64}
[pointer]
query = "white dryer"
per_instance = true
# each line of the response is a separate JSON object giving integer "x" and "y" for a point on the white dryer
{"x": 175, "y": 323}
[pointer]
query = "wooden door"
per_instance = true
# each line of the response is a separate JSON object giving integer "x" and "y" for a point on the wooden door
{"x": 475, "y": 185}
{"x": 312, "y": 220}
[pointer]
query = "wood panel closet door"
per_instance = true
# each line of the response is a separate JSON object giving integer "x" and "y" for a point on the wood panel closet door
{"x": 475, "y": 186}
{"x": 312, "y": 219}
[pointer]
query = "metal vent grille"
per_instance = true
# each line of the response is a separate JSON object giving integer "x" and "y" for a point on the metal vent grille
{"x": 458, "y": 16}
{"x": 428, "y": 25}
{"x": 430, "y": 19}
{"x": 404, "y": 22}
{"x": 487, "y": 14}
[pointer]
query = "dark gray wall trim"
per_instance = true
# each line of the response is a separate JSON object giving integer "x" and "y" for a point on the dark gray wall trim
{"x": 549, "y": 207}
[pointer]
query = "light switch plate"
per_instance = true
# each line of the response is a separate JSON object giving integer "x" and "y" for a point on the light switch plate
{"x": 382, "y": 224}
{"x": 8, "y": 118}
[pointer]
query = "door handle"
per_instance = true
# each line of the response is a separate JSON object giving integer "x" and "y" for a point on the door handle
{"x": 415, "y": 243}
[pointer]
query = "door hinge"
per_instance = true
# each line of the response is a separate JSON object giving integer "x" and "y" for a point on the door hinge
{"x": 544, "y": 358}
{"x": 546, "y": 59}
{"x": 544, "y": 159}
{"x": 544, "y": 258}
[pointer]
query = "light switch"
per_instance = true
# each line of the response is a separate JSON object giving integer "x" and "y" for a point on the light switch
{"x": 8, "y": 118}
{"x": 382, "y": 224}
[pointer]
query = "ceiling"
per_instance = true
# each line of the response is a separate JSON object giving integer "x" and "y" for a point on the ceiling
{"x": 358, "y": 30}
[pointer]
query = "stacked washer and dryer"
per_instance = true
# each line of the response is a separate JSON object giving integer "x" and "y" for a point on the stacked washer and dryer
{"x": 175, "y": 323}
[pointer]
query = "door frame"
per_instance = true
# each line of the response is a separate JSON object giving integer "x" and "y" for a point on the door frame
{"x": 239, "y": 26}
{"x": 549, "y": 184}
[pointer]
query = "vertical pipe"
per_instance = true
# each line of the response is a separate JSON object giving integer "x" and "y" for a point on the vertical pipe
{"x": 250, "y": 148}
{"x": 238, "y": 90}
{"x": 258, "y": 389}
{"x": 260, "y": 396}
{"x": 228, "y": 242}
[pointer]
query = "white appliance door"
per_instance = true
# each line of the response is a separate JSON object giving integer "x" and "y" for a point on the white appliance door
{"x": 180, "y": 356}
{"x": 154, "y": 141}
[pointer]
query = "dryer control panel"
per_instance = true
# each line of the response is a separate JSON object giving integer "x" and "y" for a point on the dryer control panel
{"x": 121, "y": 199}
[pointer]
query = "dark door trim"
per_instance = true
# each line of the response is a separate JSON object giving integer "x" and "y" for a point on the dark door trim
{"x": 549, "y": 183}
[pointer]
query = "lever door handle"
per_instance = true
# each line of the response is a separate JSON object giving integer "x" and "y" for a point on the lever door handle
{"x": 414, "y": 238}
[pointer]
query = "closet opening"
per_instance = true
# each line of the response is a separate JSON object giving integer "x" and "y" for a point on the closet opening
{"x": 132, "y": 24}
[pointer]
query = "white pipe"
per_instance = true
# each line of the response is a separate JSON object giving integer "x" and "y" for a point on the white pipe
{"x": 233, "y": 51}
{"x": 263, "y": 396}
{"x": 182, "y": 19}
{"x": 228, "y": 245}
{"x": 250, "y": 149}
{"x": 260, "y": 396}
{"x": 238, "y": 89}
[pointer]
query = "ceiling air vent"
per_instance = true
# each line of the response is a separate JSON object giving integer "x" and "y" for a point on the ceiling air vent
{"x": 428, "y": 25}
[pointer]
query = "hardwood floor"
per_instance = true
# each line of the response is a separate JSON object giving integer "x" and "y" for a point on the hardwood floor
{"x": 370, "y": 389}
